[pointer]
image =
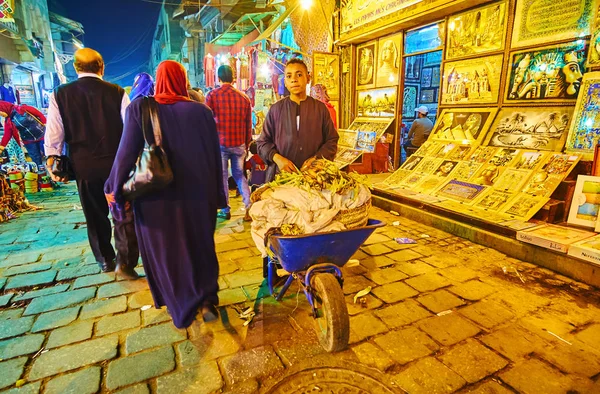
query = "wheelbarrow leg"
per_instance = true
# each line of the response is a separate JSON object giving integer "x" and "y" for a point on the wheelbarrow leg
{"x": 285, "y": 287}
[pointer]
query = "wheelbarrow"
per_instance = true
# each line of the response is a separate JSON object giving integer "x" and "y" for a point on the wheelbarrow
{"x": 314, "y": 262}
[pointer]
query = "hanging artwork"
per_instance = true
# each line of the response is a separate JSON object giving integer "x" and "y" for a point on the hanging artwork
{"x": 586, "y": 201}
{"x": 426, "y": 76}
{"x": 427, "y": 96}
{"x": 472, "y": 81}
{"x": 389, "y": 60}
{"x": 326, "y": 72}
{"x": 493, "y": 200}
{"x": 584, "y": 133}
{"x": 594, "y": 55}
{"x": 435, "y": 77}
{"x": 412, "y": 68}
{"x": 541, "y": 21}
{"x": 409, "y": 103}
{"x": 461, "y": 191}
{"x": 377, "y": 102}
{"x": 365, "y": 71}
{"x": 467, "y": 126}
{"x": 524, "y": 206}
{"x": 551, "y": 73}
{"x": 476, "y": 32}
{"x": 541, "y": 128}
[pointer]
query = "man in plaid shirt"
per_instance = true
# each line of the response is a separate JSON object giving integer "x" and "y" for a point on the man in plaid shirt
{"x": 233, "y": 114}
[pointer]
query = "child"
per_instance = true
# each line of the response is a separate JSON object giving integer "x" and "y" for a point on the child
{"x": 257, "y": 167}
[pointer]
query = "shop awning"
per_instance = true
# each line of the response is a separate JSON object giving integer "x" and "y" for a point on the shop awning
{"x": 266, "y": 34}
{"x": 243, "y": 26}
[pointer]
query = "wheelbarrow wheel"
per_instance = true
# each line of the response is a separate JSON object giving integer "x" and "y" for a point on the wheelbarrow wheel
{"x": 332, "y": 323}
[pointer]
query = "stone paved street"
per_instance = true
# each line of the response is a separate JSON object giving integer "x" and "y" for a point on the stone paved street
{"x": 444, "y": 315}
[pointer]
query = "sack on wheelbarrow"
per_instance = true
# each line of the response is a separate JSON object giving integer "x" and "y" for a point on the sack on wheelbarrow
{"x": 355, "y": 217}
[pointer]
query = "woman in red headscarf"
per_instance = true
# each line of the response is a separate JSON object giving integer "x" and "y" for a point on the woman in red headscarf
{"x": 26, "y": 123}
{"x": 175, "y": 226}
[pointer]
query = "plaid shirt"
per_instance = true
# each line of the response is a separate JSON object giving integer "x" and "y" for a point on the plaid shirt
{"x": 233, "y": 114}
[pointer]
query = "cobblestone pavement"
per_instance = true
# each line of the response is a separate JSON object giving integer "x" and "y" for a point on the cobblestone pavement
{"x": 444, "y": 315}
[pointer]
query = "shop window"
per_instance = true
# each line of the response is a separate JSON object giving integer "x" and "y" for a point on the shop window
{"x": 426, "y": 38}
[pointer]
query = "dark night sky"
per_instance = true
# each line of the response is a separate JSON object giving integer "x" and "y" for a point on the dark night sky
{"x": 115, "y": 28}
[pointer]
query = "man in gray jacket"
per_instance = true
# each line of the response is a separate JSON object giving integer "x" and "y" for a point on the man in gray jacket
{"x": 420, "y": 129}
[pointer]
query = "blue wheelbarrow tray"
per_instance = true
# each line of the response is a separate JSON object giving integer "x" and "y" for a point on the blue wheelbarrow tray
{"x": 297, "y": 253}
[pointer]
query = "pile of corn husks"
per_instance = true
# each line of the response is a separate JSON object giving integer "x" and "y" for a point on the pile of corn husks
{"x": 307, "y": 201}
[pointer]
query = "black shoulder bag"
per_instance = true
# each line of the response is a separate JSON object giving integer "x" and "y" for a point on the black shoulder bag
{"x": 152, "y": 171}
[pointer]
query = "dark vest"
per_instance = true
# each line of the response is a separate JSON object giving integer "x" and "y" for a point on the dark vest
{"x": 91, "y": 113}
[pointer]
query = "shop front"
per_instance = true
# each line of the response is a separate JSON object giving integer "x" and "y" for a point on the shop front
{"x": 500, "y": 81}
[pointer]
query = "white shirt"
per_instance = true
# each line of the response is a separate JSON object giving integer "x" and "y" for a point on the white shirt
{"x": 54, "y": 138}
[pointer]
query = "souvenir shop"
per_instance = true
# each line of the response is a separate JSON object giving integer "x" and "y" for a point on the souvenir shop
{"x": 257, "y": 60}
{"x": 512, "y": 91}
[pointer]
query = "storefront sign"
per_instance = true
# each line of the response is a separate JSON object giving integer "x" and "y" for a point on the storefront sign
{"x": 357, "y": 13}
{"x": 7, "y": 8}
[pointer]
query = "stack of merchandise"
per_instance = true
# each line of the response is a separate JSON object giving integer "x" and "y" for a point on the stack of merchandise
{"x": 12, "y": 200}
{"x": 46, "y": 184}
{"x": 31, "y": 182}
{"x": 16, "y": 180}
{"x": 319, "y": 198}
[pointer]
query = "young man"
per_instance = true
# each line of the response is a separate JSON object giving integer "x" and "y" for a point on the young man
{"x": 420, "y": 129}
{"x": 298, "y": 128}
{"x": 233, "y": 115}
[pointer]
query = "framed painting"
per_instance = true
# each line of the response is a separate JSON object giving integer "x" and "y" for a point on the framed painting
{"x": 397, "y": 177}
{"x": 476, "y": 32}
{"x": 326, "y": 68}
{"x": 366, "y": 141}
{"x": 367, "y": 61}
{"x": 347, "y": 138}
{"x": 540, "y": 128}
{"x": 584, "y": 133}
{"x": 377, "y": 102}
{"x": 427, "y": 96}
{"x": 409, "y": 103}
{"x": 552, "y": 171}
{"x": 586, "y": 201}
{"x": 430, "y": 184}
{"x": 347, "y": 156}
{"x": 472, "y": 81}
{"x": 389, "y": 61}
{"x": 512, "y": 180}
{"x": 464, "y": 125}
{"x": 435, "y": 77}
{"x": 411, "y": 163}
{"x": 529, "y": 160}
{"x": 465, "y": 170}
{"x": 541, "y": 21}
{"x": 488, "y": 175}
{"x": 444, "y": 150}
{"x": 460, "y": 191}
{"x": 428, "y": 148}
{"x": 428, "y": 165}
{"x": 432, "y": 58}
{"x": 426, "y": 76}
{"x": 524, "y": 206}
{"x": 547, "y": 74}
{"x": 412, "y": 68}
{"x": 461, "y": 152}
{"x": 482, "y": 154}
{"x": 412, "y": 180}
{"x": 493, "y": 200}
{"x": 445, "y": 168}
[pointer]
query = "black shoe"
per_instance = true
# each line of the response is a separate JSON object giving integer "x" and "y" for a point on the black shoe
{"x": 107, "y": 266}
{"x": 209, "y": 313}
{"x": 224, "y": 215}
{"x": 126, "y": 272}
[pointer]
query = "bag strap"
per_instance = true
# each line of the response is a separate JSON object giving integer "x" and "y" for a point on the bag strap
{"x": 150, "y": 118}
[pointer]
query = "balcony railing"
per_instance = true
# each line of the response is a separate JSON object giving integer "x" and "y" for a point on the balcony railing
{"x": 10, "y": 26}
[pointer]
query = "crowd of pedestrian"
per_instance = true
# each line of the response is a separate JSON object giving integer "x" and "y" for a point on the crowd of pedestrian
{"x": 97, "y": 135}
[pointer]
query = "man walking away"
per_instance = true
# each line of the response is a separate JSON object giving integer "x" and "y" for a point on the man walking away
{"x": 233, "y": 115}
{"x": 87, "y": 114}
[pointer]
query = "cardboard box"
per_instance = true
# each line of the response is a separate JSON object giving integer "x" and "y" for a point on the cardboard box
{"x": 557, "y": 238}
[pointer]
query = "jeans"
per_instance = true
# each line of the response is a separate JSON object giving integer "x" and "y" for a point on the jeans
{"x": 36, "y": 151}
{"x": 235, "y": 154}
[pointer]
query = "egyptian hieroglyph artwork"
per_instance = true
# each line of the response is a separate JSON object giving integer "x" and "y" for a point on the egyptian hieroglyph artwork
{"x": 377, "y": 102}
{"x": 472, "y": 81}
{"x": 397, "y": 177}
{"x": 365, "y": 74}
{"x": 389, "y": 60}
{"x": 445, "y": 168}
{"x": 465, "y": 170}
{"x": 483, "y": 154}
{"x": 541, "y": 128}
{"x": 524, "y": 206}
{"x": 541, "y": 21}
{"x": 460, "y": 152}
{"x": 584, "y": 133}
{"x": 412, "y": 180}
{"x": 529, "y": 160}
{"x": 427, "y": 96}
{"x": 428, "y": 165}
{"x": 542, "y": 184}
{"x": 347, "y": 139}
{"x": 475, "y": 32}
{"x": 493, "y": 200}
{"x": 326, "y": 72}
{"x": 586, "y": 201}
{"x": 461, "y": 191}
{"x": 430, "y": 184}
{"x": 443, "y": 151}
{"x": 411, "y": 163}
{"x": 503, "y": 157}
{"x": 512, "y": 180}
{"x": 550, "y": 73}
{"x": 409, "y": 103}
{"x": 426, "y": 76}
{"x": 466, "y": 126}
{"x": 346, "y": 156}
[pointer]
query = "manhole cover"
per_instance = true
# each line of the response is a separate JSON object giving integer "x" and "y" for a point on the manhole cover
{"x": 331, "y": 381}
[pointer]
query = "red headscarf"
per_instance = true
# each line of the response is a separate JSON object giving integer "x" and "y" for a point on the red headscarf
{"x": 171, "y": 83}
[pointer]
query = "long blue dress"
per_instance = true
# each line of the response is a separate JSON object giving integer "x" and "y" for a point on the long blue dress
{"x": 175, "y": 226}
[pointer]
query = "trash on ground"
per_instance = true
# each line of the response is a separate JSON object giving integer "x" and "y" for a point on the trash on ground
{"x": 424, "y": 236}
{"x": 362, "y": 293}
{"x": 444, "y": 313}
{"x": 146, "y": 307}
{"x": 404, "y": 241}
{"x": 395, "y": 213}
{"x": 396, "y": 223}
{"x": 554, "y": 335}
{"x": 352, "y": 263}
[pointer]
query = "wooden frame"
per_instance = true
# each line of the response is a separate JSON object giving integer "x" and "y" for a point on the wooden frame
{"x": 326, "y": 71}
{"x": 468, "y": 125}
{"x": 377, "y": 102}
{"x": 366, "y": 65}
{"x": 472, "y": 81}
{"x": 586, "y": 201}
{"x": 584, "y": 133}
{"x": 388, "y": 70}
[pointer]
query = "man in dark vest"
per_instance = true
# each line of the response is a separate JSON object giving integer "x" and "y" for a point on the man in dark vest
{"x": 87, "y": 115}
